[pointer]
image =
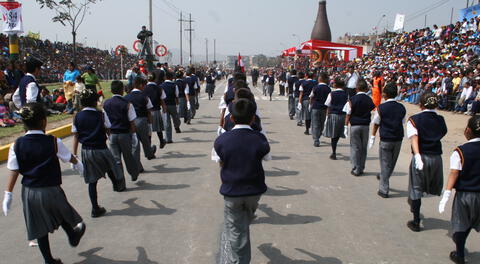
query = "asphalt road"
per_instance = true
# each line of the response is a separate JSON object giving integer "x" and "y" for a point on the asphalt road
{"x": 314, "y": 212}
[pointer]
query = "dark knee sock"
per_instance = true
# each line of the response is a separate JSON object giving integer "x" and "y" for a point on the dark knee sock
{"x": 307, "y": 124}
{"x": 334, "y": 145}
{"x": 92, "y": 192}
{"x": 44, "y": 246}
{"x": 68, "y": 229}
{"x": 416, "y": 204}
{"x": 160, "y": 136}
{"x": 460, "y": 239}
{"x": 111, "y": 176}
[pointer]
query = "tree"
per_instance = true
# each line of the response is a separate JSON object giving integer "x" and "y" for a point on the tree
{"x": 69, "y": 13}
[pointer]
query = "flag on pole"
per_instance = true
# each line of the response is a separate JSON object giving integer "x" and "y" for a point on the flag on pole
{"x": 12, "y": 17}
{"x": 240, "y": 63}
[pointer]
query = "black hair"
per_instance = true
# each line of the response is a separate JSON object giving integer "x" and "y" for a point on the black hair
{"x": 362, "y": 85}
{"x": 293, "y": 72}
{"x": 89, "y": 98}
{"x": 301, "y": 75}
{"x": 390, "y": 90}
{"x": 243, "y": 111}
{"x": 117, "y": 87}
{"x": 72, "y": 64}
{"x": 429, "y": 100}
{"x": 138, "y": 82}
{"x": 33, "y": 114}
{"x": 79, "y": 79}
{"x": 339, "y": 82}
{"x": 151, "y": 77}
{"x": 240, "y": 76}
{"x": 168, "y": 75}
{"x": 474, "y": 125}
{"x": 159, "y": 65}
{"x": 244, "y": 93}
{"x": 32, "y": 64}
{"x": 179, "y": 74}
{"x": 239, "y": 84}
{"x": 324, "y": 76}
{"x": 310, "y": 75}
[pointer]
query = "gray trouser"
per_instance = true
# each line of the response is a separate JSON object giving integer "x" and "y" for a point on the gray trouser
{"x": 121, "y": 145}
{"x": 182, "y": 105}
{"x": 298, "y": 113}
{"x": 171, "y": 115}
{"x": 143, "y": 138}
{"x": 193, "y": 110}
{"x": 307, "y": 115}
{"x": 291, "y": 105}
{"x": 239, "y": 212}
{"x": 389, "y": 152}
{"x": 318, "y": 122}
{"x": 358, "y": 147}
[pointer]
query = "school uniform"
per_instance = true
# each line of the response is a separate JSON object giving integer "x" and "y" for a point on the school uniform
{"x": 336, "y": 100}
{"x": 182, "y": 99}
{"x": 120, "y": 113}
{"x": 156, "y": 95}
{"x": 196, "y": 81}
{"x": 270, "y": 84}
{"x": 359, "y": 108}
{"x": 28, "y": 91}
{"x": 318, "y": 96}
{"x": 264, "y": 82}
{"x": 283, "y": 83}
{"x": 240, "y": 152}
{"x": 228, "y": 124}
{"x": 306, "y": 87}
{"x": 291, "y": 98}
{"x": 171, "y": 91}
{"x": 210, "y": 87}
{"x": 192, "y": 84}
{"x": 45, "y": 207}
{"x": 430, "y": 129}
{"x": 296, "y": 95}
{"x": 142, "y": 105}
{"x": 90, "y": 125}
{"x": 390, "y": 117}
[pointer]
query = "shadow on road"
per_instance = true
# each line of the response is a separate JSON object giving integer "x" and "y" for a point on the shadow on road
{"x": 435, "y": 223}
{"x": 280, "y": 173}
{"x": 275, "y": 256}
{"x": 200, "y": 122}
{"x": 275, "y": 218}
{"x": 190, "y": 140}
{"x": 284, "y": 191}
{"x": 397, "y": 193}
{"x": 91, "y": 258}
{"x": 280, "y": 158}
{"x": 145, "y": 186}
{"x": 137, "y": 210}
{"x": 194, "y": 130}
{"x": 162, "y": 169}
{"x": 179, "y": 155}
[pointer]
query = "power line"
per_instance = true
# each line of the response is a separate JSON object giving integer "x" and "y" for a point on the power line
{"x": 426, "y": 10}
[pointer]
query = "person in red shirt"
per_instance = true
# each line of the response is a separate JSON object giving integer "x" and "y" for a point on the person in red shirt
{"x": 61, "y": 98}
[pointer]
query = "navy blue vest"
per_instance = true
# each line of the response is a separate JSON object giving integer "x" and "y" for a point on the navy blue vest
{"x": 229, "y": 95}
{"x": 181, "y": 84}
{"x": 91, "y": 129}
{"x": 469, "y": 178}
{"x": 320, "y": 94}
{"x": 169, "y": 88}
{"x": 139, "y": 101}
{"x": 154, "y": 92}
{"x": 191, "y": 81}
{"x": 241, "y": 151}
{"x": 338, "y": 100}
{"x": 362, "y": 106}
{"x": 22, "y": 86}
{"x": 431, "y": 129}
{"x": 271, "y": 80}
{"x": 210, "y": 79}
{"x": 37, "y": 161}
{"x": 296, "y": 88}
{"x": 117, "y": 112}
{"x": 391, "y": 121}
{"x": 290, "y": 83}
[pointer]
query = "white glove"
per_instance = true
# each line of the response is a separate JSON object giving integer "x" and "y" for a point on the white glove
{"x": 150, "y": 129}
{"x": 78, "y": 167}
{"x": 309, "y": 108}
{"x": 345, "y": 131}
{"x": 7, "y": 202}
{"x": 189, "y": 106}
{"x": 299, "y": 107}
{"x": 178, "y": 109}
{"x": 371, "y": 142}
{"x": 443, "y": 202}
{"x": 134, "y": 142}
{"x": 220, "y": 130}
{"x": 110, "y": 137}
{"x": 418, "y": 162}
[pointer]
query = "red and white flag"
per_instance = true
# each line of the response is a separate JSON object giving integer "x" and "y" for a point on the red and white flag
{"x": 12, "y": 17}
{"x": 240, "y": 63}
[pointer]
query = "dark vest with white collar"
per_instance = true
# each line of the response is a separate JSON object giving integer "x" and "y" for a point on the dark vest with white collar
{"x": 139, "y": 101}
{"x": 431, "y": 129}
{"x": 117, "y": 112}
{"x": 469, "y": 177}
{"x": 37, "y": 160}
{"x": 22, "y": 86}
{"x": 307, "y": 86}
{"x": 170, "y": 90}
{"x": 362, "y": 106}
{"x": 154, "y": 92}
{"x": 181, "y": 84}
{"x": 392, "y": 115}
{"x": 290, "y": 83}
{"x": 320, "y": 95}
{"x": 338, "y": 99}
{"x": 91, "y": 129}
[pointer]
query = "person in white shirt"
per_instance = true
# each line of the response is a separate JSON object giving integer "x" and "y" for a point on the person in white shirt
{"x": 28, "y": 90}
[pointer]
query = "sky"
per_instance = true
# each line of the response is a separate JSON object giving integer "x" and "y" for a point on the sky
{"x": 243, "y": 26}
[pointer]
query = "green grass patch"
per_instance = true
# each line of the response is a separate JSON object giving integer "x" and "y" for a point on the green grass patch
{"x": 105, "y": 88}
{"x": 9, "y": 131}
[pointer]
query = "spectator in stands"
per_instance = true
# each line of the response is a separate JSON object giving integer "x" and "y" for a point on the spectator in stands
{"x": 91, "y": 79}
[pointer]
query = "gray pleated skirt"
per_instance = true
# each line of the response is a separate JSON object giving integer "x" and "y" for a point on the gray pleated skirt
{"x": 45, "y": 209}
{"x": 182, "y": 105}
{"x": 210, "y": 88}
{"x": 270, "y": 89}
{"x": 96, "y": 162}
{"x": 429, "y": 180}
{"x": 157, "y": 122}
{"x": 335, "y": 126}
{"x": 307, "y": 114}
{"x": 466, "y": 211}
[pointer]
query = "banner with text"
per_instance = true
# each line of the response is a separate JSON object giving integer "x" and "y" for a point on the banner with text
{"x": 12, "y": 17}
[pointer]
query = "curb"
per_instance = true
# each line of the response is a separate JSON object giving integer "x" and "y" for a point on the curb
{"x": 60, "y": 132}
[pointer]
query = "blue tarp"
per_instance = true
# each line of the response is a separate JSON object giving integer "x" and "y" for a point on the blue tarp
{"x": 469, "y": 13}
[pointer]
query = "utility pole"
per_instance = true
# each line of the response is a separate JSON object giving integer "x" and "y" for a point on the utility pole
{"x": 214, "y": 51}
{"x": 181, "y": 38}
{"x": 13, "y": 46}
{"x": 206, "y": 49}
{"x": 190, "y": 30}
{"x": 425, "y": 21}
{"x": 451, "y": 16}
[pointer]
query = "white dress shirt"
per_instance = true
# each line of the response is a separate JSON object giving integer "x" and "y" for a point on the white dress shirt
{"x": 131, "y": 111}
{"x": 411, "y": 130}
{"x": 32, "y": 93}
{"x": 456, "y": 161}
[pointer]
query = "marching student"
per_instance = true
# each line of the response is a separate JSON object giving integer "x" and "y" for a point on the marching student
{"x": 359, "y": 113}
{"x": 184, "y": 104}
{"x": 296, "y": 94}
{"x": 123, "y": 137}
{"x": 304, "y": 99}
{"x": 90, "y": 128}
{"x": 465, "y": 179}
{"x": 156, "y": 96}
{"x": 142, "y": 105}
{"x": 243, "y": 93}
{"x": 334, "y": 127}
{"x": 389, "y": 118}
{"x": 45, "y": 207}
{"x": 425, "y": 131}
{"x": 210, "y": 87}
{"x": 193, "y": 88}
{"x": 270, "y": 83}
{"x": 171, "y": 101}
{"x": 240, "y": 153}
{"x": 264, "y": 83}
{"x": 318, "y": 96}
{"x": 229, "y": 96}
{"x": 292, "y": 80}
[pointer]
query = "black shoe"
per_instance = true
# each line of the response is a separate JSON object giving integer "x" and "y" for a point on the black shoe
{"x": 456, "y": 259}
{"x": 120, "y": 190}
{"x": 162, "y": 144}
{"x": 154, "y": 150}
{"x": 299, "y": 124}
{"x": 178, "y": 130}
{"x": 414, "y": 226}
{"x": 188, "y": 123}
{"x": 78, "y": 235}
{"x": 333, "y": 156}
{"x": 316, "y": 144}
{"x": 169, "y": 142}
{"x": 291, "y": 118}
{"x": 134, "y": 179}
{"x": 55, "y": 261}
{"x": 378, "y": 176}
{"x": 354, "y": 173}
{"x": 306, "y": 133}
{"x": 383, "y": 195}
{"x": 98, "y": 212}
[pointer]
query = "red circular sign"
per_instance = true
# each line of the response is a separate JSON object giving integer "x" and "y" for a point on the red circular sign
{"x": 161, "y": 50}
